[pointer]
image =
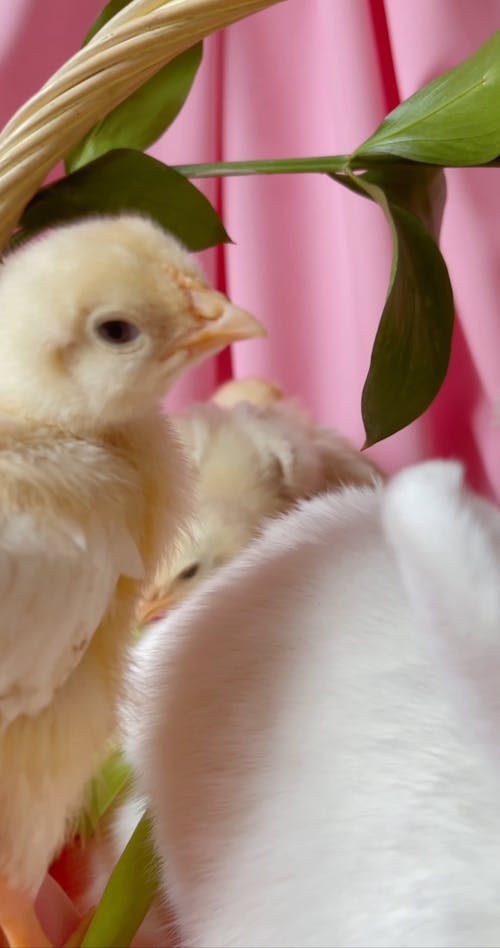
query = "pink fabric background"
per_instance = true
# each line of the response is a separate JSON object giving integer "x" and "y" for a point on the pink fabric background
{"x": 310, "y": 259}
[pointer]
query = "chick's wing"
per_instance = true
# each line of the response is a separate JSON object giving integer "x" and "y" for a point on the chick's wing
{"x": 58, "y": 572}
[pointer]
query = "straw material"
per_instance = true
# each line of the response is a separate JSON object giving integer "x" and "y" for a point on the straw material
{"x": 130, "y": 48}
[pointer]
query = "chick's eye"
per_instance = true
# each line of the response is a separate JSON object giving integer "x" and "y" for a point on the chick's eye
{"x": 189, "y": 572}
{"x": 118, "y": 332}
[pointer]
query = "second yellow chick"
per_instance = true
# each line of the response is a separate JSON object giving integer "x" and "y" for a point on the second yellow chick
{"x": 253, "y": 461}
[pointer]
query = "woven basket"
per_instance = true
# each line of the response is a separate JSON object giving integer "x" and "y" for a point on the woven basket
{"x": 130, "y": 48}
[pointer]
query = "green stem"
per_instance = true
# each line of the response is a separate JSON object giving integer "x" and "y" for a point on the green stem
{"x": 328, "y": 164}
{"x": 222, "y": 169}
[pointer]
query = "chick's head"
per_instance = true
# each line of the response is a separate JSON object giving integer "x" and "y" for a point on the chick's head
{"x": 220, "y": 530}
{"x": 239, "y": 484}
{"x": 99, "y": 318}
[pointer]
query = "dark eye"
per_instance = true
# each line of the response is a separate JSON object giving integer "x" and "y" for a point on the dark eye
{"x": 118, "y": 332}
{"x": 189, "y": 572}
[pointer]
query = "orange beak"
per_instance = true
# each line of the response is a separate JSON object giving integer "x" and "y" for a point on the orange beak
{"x": 215, "y": 323}
{"x": 233, "y": 325}
{"x": 154, "y": 608}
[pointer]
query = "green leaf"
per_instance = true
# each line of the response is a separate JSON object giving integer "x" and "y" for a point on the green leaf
{"x": 129, "y": 893}
{"x": 420, "y": 189}
{"x": 126, "y": 180}
{"x": 113, "y": 779}
{"x": 412, "y": 347}
{"x": 111, "y": 8}
{"x": 454, "y": 120}
{"x": 142, "y": 118}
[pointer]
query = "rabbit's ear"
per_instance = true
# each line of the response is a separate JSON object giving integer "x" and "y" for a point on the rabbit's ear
{"x": 446, "y": 542}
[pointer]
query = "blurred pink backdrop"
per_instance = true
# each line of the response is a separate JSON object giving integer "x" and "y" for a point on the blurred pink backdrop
{"x": 310, "y": 259}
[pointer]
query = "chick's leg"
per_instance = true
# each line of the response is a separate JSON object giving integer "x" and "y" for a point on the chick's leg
{"x": 18, "y": 919}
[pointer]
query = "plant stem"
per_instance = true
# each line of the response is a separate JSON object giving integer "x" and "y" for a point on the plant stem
{"x": 222, "y": 169}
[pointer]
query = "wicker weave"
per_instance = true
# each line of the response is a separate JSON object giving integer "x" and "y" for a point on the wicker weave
{"x": 129, "y": 49}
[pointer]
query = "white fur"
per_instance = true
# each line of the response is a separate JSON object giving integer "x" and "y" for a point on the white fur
{"x": 318, "y": 728}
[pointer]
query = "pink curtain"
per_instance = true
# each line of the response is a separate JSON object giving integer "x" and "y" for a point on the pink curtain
{"x": 310, "y": 259}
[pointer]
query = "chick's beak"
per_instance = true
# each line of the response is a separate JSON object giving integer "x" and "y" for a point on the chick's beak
{"x": 215, "y": 323}
{"x": 154, "y": 608}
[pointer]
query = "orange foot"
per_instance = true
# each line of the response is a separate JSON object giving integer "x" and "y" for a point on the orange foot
{"x": 23, "y": 930}
{"x": 26, "y": 932}
{"x": 20, "y": 923}
{"x": 18, "y": 919}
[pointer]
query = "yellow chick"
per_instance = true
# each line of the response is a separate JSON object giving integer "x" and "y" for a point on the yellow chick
{"x": 97, "y": 321}
{"x": 253, "y": 461}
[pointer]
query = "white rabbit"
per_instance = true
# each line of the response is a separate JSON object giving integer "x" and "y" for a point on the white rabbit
{"x": 317, "y": 729}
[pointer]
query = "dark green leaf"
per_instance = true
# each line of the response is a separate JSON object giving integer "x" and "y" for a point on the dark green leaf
{"x": 142, "y": 118}
{"x": 127, "y": 180}
{"x": 412, "y": 347}
{"x": 420, "y": 189}
{"x": 454, "y": 120}
{"x": 111, "y": 8}
{"x": 129, "y": 893}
